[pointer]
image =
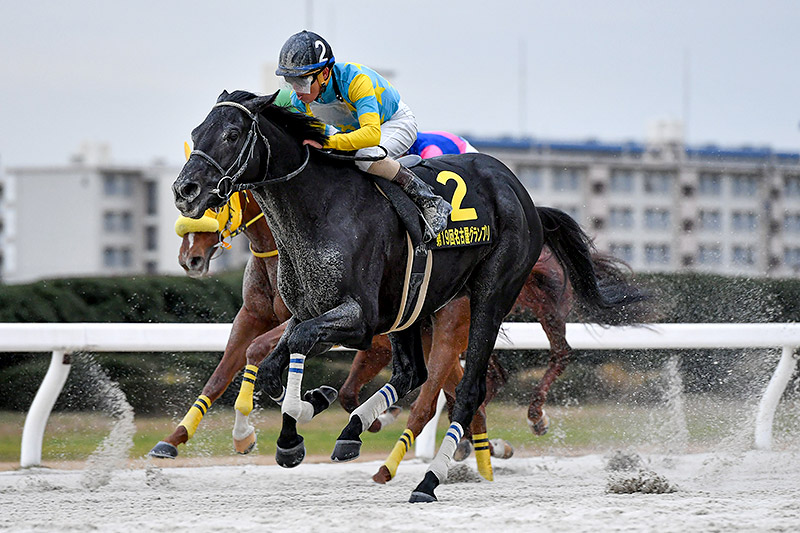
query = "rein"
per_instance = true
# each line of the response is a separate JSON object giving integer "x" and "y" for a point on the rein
{"x": 227, "y": 185}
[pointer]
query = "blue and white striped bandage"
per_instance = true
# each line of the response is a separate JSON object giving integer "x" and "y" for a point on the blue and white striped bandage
{"x": 377, "y": 403}
{"x": 441, "y": 462}
{"x": 293, "y": 405}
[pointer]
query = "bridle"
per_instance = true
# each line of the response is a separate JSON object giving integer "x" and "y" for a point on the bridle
{"x": 227, "y": 184}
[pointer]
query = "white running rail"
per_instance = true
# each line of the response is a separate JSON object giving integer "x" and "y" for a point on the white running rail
{"x": 63, "y": 339}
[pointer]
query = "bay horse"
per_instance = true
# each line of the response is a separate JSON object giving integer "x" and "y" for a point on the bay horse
{"x": 342, "y": 251}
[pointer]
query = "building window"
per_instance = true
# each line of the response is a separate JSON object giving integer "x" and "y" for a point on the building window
{"x": 791, "y": 258}
{"x": 710, "y": 220}
{"x": 657, "y": 219}
{"x": 531, "y": 177}
{"x": 567, "y": 179}
{"x": 150, "y": 238}
{"x": 658, "y": 182}
{"x": 656, "y": 254}
{"x": 151, "y": 267}
{"x": 151, "y": 198}
{"x": 126, "y": 258}
{"x": 110, "y": 258}
{"x": 126, "y": 222}
{"x": 622, "y": 181}
{"x": 791, "y": 186}
{"x": 791, "y": 223}
{"x": 709, "y": 254}
{"x": 110, "y": 221}
{"x": 744, "y": 185}
{"x": 621, "y": 217}
{"x": 622, "y": 251}
{"x": 744, "y": 221}
{"x": 111, "y": 185}
{"x": 709, "y": 184}
{"x": 744, "y": 255}
{"x": 128, "y": 185}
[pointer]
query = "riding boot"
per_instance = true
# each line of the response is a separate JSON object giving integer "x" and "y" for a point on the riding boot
{"x": 435, "y": 209}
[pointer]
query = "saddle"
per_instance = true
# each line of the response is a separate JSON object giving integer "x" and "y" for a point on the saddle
{"x": 405, "y": 208}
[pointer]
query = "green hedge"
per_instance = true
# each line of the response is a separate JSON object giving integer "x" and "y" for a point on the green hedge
{"x": 169, "y": 382}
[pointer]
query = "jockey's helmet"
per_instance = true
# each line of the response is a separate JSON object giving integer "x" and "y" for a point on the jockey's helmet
{"x": 302, "y": 55}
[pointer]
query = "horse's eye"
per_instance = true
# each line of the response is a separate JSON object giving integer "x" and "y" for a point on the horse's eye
{"x": 231, "y": 136}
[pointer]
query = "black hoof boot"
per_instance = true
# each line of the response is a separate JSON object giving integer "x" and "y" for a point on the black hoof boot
{"x": 291, "y": 457}
{"x": 346, "y": 450}
{"x": 424, "y": 491}
{"x": 321, "y": 398}
{"x": 348, "y": 444}
{"x": 163, "y": 450}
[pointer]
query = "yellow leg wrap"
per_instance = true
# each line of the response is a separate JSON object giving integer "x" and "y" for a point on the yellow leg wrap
{"x": 482, "y": 456}
{"x": 244, "y": 402}
{"x": 401, "y": 447}
{"x": 195, "y": 414}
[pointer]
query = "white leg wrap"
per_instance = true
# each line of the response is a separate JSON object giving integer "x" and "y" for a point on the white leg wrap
{"x": 442, "y": 460}
{"x": 241, "y": 426}
{"x": 293, "y": 405}
{"x": 377, "y": 403}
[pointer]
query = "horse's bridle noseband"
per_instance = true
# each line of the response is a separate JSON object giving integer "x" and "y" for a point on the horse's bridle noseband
{"x": 227, "y": 185}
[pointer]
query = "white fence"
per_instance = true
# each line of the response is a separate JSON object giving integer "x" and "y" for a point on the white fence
{"x": 62, "y": 339}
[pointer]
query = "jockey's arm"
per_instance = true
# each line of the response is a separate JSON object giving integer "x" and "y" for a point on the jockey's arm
{"x": 362, "y": 94}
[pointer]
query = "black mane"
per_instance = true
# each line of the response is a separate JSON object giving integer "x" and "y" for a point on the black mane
{"x": 298, "y": 125}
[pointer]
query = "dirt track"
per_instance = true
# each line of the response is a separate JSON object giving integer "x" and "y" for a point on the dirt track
{"x": 747, "y": 491}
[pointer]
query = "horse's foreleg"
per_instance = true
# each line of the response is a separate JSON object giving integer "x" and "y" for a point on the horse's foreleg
{"x": 342, "y": 324}
{"x": 408, "y": 372}
{"x": 555, "y": 329}
{"x": 246, "y": 326}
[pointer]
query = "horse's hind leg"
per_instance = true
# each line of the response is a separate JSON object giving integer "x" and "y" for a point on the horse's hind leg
{"x": 408, "y": 372}
{"x": 555, "y": 329}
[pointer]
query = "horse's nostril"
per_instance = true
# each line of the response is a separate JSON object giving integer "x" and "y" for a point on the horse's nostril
{"x": 190, "y": 191}
{"x": 195, "y": 263}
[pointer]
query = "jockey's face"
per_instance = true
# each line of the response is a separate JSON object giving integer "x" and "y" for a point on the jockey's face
{"x": 320, "y": 80}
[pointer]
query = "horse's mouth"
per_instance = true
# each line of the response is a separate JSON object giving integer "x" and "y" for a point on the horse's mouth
{"x": 191, "y": 209}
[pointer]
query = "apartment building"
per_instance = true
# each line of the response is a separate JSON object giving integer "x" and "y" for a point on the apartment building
{"x": 663, "y": 206}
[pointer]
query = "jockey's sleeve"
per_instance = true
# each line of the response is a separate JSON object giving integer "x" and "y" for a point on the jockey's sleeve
{"x": 430, "y": 151}
{"x": 362, "y": 93}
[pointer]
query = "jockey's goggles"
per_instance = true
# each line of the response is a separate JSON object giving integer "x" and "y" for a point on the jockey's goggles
{"x": 300, "y": 84}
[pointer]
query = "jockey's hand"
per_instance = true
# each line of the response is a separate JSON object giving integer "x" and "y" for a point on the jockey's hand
{"x": 313, "y": 144}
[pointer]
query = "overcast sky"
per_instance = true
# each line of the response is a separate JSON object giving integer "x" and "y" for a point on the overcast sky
{"x": 140, "y": 75}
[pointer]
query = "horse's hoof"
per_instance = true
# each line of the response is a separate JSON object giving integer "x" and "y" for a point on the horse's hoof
{"x": 291, "y": 457}
{"x": 541, "y": 426}
{"x": 382, "y": 476}
{"x": 163, "y": 450}
{"x": 501, "y": 449}
{"x": 245, "y": 445}
{"x": 463, "y": 450}
{"x": 321, "y": 398}
{"x": 346, "y": 450}
{"x": 424, "y": 491}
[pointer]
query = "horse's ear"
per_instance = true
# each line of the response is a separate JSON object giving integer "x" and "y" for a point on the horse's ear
{"x": 260, "y": 102}
{"x": 223, "y": 96}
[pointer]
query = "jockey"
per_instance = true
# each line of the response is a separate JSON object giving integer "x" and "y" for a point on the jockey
{"x": 367, "y": 112}
{"x": 432, "y": 143}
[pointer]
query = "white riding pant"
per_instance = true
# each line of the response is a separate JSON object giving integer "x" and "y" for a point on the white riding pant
{"x": 397, "y": 135}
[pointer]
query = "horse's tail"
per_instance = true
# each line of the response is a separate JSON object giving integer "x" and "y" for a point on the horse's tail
{"x": 601, "y": 284}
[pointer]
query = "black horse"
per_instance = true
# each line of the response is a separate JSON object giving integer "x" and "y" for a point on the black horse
{"x": 343, "y": 254}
